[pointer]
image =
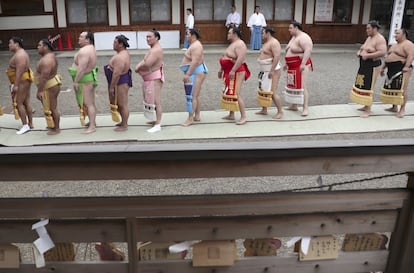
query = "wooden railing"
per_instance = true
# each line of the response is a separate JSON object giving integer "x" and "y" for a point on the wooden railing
{"x": 214, "y": 217}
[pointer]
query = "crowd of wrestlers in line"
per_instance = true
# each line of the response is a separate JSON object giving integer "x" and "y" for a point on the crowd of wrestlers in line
{"x": 234, "y": 71}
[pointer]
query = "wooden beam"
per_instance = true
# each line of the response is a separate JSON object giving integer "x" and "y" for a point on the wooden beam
{"x": 71, "y": 267}
{"x": 348, "y": 262}
{"x": 92, "y": 230}
{"x": 249, "y": 227}
{"x": 202, "y": 228}
{"x": 206, "y": 205}
{"x": 116, "y": 162}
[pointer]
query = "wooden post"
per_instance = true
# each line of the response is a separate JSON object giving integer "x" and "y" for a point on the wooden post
{"x": 400, "y": 259}
{"x": 132, "y": 245}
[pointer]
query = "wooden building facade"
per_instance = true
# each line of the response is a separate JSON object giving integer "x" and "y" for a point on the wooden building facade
{"x": 334, "y": 21}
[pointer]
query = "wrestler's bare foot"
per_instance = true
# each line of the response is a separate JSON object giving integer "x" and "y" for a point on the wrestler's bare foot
{"x": 228, "y": 117}
{"x": 89, "y": 131}
{"x": 188, "y": 122}
{"x": 363, "y": 109}
{"x": 241, "y": 121}
{"x": 401, "y": 114}
{"x": 278, "y": 115}
{"x": 305, "y": 113}
{"x": 292, "y": 108}
{"x": 366, "y": 114}
{"x": 53, "y": 132}
{"x": 393, "y": 109}
{"x": 197, "y": 119}
{"x": 262, "y": 112}
{"x": 121, "y": 128}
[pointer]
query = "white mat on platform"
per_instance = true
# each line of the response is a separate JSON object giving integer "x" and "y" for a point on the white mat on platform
{"x": 323, "y": 119}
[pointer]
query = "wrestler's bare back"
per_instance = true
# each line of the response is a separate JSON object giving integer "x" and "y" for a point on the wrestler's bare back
{"x": 298, "y": 44}
{"x": 232, "y": 50}
{"x": 47, "y": 66}
{"x": 194, "y": 52}
{"x": 269, "y": 49}
{"x": 372, "y": 44}
{"x": 86, "y": 56}
{"x": 122, "y": 59}
{"x": 399, "y": 51}
{"x": 21, "y": 58}
{"x": 154, "y": 57}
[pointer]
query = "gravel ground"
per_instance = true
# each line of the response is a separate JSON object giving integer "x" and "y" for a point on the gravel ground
{"x": 329, "y": 84}
{"x": 334, "y": 72}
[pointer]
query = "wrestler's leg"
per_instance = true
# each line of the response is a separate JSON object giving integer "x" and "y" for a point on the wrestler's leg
{"x": 275, "y": 97}
{"x": 158, "y": 108}
{"x": 406, "y": 76}
{"x": 230, "y": 116}
{"x": 263, "y": 111}
{"x": 23, "y": 102}
{"x": 243, "y": 117}
{"x": 393, "y": 108}
{"x": 53, "y": 95}
{"x": 89, "y": 101}
{"x": 196, "y": 95}
{"x": 305, "y": 75}
{"x": 122, "y": 101}
{"x": 239, "y": 86}
{"x": 157, "y": 100}
{"x": 367, "y": 109}
{"x": 195, "y": 114}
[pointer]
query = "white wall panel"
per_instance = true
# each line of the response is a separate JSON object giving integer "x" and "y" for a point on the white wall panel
{"x": 26, "y": 22}
{"x": 112, "y": 13}
{"x": 61, "y": 13}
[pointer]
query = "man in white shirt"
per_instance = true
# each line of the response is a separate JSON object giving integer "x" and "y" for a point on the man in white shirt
{"x": 256, "y": 22}
{"x": 233, "y": 19}
{"x": 188, "y": 25}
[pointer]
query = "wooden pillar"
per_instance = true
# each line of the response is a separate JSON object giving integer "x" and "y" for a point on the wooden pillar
{"x": 131, "y": 229}
{"x": 401, "y": 255}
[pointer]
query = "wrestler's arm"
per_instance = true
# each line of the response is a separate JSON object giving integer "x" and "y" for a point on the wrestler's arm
{"x": 307, "y": 46}
{"x": 384, "y": 65}
{"x": 240, "y": 58}
{"x": 44, "y": 69}
{"x": 196, "y": 59}
{"x": 360, "y": 51}
{"x": 409, "y": 48}
{"x": 82, "y": 65}
{"x": 276, "y": 50}
{"x": 117, "y": 66}
{"x": 139, "y": 66}
{"x": 149, "y": 61}
{"x": 21, "y": 66}
{"x": 285, "y": 67}
{"x": 380, "y": 50}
